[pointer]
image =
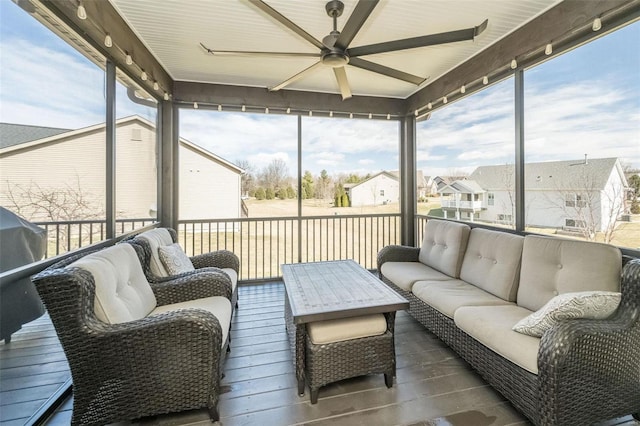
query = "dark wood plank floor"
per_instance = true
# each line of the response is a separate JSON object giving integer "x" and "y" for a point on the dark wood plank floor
{"x": 32, "y": 368}
{"x": 433, "y": 385}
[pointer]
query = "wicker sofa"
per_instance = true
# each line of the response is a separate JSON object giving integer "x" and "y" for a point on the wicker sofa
{"x": 137, "y": 349}
{"x": 471, "y": 286}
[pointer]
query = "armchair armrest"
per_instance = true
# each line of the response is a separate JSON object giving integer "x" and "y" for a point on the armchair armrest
{"x": 589, "y": 370}
{"x": 396, "y": 253}
{"x": 192, "y": 285}
{"x": 218, "y": 259}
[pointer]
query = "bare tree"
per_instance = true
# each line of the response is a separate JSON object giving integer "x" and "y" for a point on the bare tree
{"x": 323, "y": 183}
{"x": 37, "y": 203}
{"x": 275, "y": 175}
{"x": 248, "y": 179}
{"x": 49, "y": 204}
{"x": 591, "y": 208}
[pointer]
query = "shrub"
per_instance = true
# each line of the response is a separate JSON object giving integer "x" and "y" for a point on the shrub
{"x": 291, "y": 193}
{"x": 260, "y": 194}
{"x": 345, "y": 200}
{"x": 338, "y": 202}
{"x": 269, "y": 194}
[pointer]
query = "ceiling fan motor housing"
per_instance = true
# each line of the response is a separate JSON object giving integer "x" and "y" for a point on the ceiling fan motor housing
{"x": 334, "y": 57}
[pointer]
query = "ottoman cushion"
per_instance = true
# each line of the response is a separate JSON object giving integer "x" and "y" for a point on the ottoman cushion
{"x": 339, "y": 330}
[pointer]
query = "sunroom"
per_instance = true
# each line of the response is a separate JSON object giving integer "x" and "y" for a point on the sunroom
{"x": 244, "y": 126}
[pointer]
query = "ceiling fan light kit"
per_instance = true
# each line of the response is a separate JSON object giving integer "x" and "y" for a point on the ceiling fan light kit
{"x": 335, "y": 51}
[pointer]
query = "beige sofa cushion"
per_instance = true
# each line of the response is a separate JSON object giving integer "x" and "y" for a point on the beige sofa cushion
{"x": 491, "y": 326}
{"x": 122, "y": 291}
{"x": 492, "y": 262}
{"x": 156, "y": 238}
{"x": 552, "y": 266}
{"x": 447, "y": 296}
{"x": 444, "y": 245}
{"x": 233, "y": 275}
{"x": 405, "y": 274}
{"x": 339, "y": 330}
{"x": 219, "y": 306}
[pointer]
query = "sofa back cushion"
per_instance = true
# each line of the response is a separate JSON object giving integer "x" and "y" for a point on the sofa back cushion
{"x": 157, "y": 238}
{"x": 492, "y": 262}
{"x": 553, "y": 266}
{"x": 122, "y": 291}
{"x": 444, "y": 245}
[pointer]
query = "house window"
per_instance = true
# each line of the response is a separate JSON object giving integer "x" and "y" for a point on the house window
{"x": 575, "y": 200}
{"x": 382, "y": 192}
{"x": 505, "y": 218}
{"x": 574, "y": 223}
{"x": 491, "y": 199}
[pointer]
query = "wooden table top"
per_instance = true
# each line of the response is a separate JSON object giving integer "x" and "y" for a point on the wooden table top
{"x": 336, "y": 289}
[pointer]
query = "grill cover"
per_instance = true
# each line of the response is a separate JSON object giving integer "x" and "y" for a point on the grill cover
{"x": 21, "y": 243}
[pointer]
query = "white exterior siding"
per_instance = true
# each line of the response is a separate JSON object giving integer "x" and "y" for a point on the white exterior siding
{"x": 73, "y": 163}
{"x": 136, "y": 171}
{"x": 375, "y": 191}
{"x": 209, "y": 186}
{"x": 208, "y": 189}
{"x": 503, "y": 207}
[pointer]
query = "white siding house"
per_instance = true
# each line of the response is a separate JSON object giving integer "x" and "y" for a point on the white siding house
{"x": 59, "y": 158}
{"x": 579, "y": 194}
{"x": 382, "y": 188}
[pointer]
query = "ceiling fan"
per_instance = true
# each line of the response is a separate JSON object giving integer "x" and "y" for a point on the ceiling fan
{"x": 335, "y": 51}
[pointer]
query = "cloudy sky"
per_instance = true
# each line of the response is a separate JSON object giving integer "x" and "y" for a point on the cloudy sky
{"x": 583, "y": 102}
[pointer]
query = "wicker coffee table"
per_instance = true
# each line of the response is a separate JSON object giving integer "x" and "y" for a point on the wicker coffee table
{"x": 322, "y": 291}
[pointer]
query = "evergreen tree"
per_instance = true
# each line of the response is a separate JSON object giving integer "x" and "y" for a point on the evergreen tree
{"x": 260, "y": 194}
{"x": 269, "y": 194}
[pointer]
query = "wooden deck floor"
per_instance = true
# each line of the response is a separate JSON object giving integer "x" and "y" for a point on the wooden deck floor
{"x": 433, "y": 385}
{"x": 32, "y": 368}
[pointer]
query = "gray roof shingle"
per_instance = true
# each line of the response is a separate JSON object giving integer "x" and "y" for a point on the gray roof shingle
{"x": 15, "y": 134}
{"x": 552, "y": 175}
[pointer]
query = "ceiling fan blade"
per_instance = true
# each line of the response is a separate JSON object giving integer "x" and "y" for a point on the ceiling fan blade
{"x": 286, "y": 22}
{"x": 250, "y": 53}
{"x": 295, "y": 77}
{"x": 422, "y": 41}
{"x": 389, "y": 72}
{"x": 343, "y": 83}
{"x": 357, "y": 19}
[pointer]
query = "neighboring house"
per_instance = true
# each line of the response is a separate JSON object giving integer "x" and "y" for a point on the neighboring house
{"x": 577, "y": 194}
{"x": 381, "y": 188}
{"x": 59, "y": 159}
{"x": 421, "y": 183}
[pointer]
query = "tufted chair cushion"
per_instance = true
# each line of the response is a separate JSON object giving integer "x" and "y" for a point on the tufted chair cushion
{"x": 157, "y": 238}
{"x": 122, "y": 291}
{"x": 444, "y": 245}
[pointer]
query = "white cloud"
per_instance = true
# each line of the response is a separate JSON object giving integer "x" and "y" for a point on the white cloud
{"x": 366, "y": 161}
{"x": 261, "y": 160}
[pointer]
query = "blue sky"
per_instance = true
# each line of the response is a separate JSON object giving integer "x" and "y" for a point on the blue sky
{"x": 583, "y": 102}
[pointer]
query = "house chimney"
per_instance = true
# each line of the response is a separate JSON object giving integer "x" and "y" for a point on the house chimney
{"x": 585, "y": 159}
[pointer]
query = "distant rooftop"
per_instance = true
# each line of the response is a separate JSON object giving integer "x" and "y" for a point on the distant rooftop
{"x": 15, "y": 134}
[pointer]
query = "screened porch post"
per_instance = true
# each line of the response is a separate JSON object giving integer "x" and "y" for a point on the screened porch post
{"x": 407, "y": 179}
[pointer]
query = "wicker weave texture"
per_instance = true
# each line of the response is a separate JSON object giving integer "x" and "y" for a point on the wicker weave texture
{"x": 208, "y": 262}
{"x": 589, "y": 370}
{"x": 158, "y": 364}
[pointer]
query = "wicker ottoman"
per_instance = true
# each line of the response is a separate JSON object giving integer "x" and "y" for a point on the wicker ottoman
{"x": 340, "y": 353}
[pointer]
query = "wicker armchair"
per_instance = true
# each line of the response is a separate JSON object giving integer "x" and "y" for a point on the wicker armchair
{"x": 218, "y": 261}
{"x": 167, "y": 361}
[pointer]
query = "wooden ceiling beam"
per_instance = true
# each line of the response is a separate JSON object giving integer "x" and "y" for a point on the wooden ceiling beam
{"x": 558, "y": 23}
{"x": 256, "y": 97}
{"x": 103, "y": 18}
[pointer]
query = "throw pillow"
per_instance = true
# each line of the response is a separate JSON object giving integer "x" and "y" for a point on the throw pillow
{"x": 582, "y": 304}
{"x": 174, "y": 259}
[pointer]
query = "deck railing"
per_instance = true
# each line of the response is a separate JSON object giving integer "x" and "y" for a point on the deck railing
{"x": 64, "y": 236}
{"x": 264, "y": 244}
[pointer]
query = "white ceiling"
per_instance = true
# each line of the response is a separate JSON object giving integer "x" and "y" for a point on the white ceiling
{"x": 173, "y": 29}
